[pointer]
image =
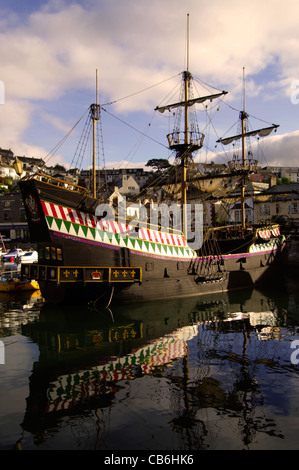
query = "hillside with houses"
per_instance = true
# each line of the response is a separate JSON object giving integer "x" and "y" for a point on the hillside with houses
{"x": 272, "y": 192}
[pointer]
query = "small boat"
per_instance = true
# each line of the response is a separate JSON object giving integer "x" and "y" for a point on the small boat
{"x": 16, "y": 285}
{"x": 11, "y": 280}
{"x": 29, "y": 257}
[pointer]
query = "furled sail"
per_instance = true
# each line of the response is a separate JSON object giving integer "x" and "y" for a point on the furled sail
{"x": 191, "y": 102}
{"x": 260, "y": 132}
{"x": 209, "y": 186}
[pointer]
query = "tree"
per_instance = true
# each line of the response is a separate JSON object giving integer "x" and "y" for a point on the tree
{"x": 159, "y": 164}
{"x": 59, "y": 167}
{"x": 283, "y": 180}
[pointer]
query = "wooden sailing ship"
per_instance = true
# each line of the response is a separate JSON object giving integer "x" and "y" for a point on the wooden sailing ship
{"x": 83, "y": 257}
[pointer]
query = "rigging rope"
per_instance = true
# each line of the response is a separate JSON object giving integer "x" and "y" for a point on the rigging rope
{"x": 132, "y": 127}
{"x": 140, "y": 91}
{"x": 82, "y": 144}
{"x": 54, "y": 150}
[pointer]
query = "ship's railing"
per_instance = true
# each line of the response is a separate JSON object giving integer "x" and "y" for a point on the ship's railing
{"x": 134, "y": 221}
{"x": 192, "y": 138}
{"x": 57, "y": 182}
{"x": 269, "y": 231}
{"x": 228, "y": 231}
{"x": 238, "y": 165}
{"x": 237, "y": 231}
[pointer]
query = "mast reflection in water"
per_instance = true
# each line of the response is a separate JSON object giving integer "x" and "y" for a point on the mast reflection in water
{"x": 206, "y": 373}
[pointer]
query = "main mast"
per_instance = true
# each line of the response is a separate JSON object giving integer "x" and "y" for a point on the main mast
{"x": 185, "y": 154}
{"x": 186, "y": 142}
{"x": 95, "y": 118}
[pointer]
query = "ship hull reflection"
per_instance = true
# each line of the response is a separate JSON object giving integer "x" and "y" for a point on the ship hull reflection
{"x": 87, "y": 357}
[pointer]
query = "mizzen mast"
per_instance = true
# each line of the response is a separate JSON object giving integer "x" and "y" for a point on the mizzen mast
{"x": 245, "y": 166}
{"x": 243, "y": 120}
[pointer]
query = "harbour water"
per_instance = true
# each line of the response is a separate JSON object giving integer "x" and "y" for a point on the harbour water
{"x": 207, "y": 373}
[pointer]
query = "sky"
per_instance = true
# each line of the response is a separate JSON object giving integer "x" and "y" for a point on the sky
{"x": 50, "y": 51}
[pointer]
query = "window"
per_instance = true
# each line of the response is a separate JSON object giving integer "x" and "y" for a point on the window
{"x": 7, "y": 215}
{"x": 52, "y": 253}
{"x": 294, "y": 207}
{"x": 237, "y": 215}
{"x": 264, "y": 209}
{"x": 149, "y": 266}
{"x": 23, "y": 215}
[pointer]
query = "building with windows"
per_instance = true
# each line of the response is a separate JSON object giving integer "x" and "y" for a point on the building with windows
{"x": 280, "y": 202}
{"x": 13, "y": 223}
{"x": 291, "y": 173}
{"x": 129, "y": 179}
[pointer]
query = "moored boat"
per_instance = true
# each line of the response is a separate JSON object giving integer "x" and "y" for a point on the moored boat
{"x": 11, "y": 280}
{"x": 17, "y": 285}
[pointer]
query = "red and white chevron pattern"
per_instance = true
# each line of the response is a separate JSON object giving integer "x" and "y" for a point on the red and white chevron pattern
{"x": 267, "y": 233}
{"x": 89, "y": 220}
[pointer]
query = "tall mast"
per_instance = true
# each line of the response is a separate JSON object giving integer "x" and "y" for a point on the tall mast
{"x": 184, "y": 142}
{"x": 185, "y": 152}
{"x": 242, "y": 167}
{"x": 243, "y": 119}
{"x": 95, "y": 118}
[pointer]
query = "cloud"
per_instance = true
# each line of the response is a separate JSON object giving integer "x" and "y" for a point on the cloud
{"x": 51, "y": 52}
{"x": 14, "y": 118}
{"x": 136, "y": 45}
{"x": 282, "y": 150}
{"x": 56, "y": 122}
{"x": 277, "y": 150}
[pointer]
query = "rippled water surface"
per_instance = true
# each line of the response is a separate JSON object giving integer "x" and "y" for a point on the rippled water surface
{"x": 215, "y": 372}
